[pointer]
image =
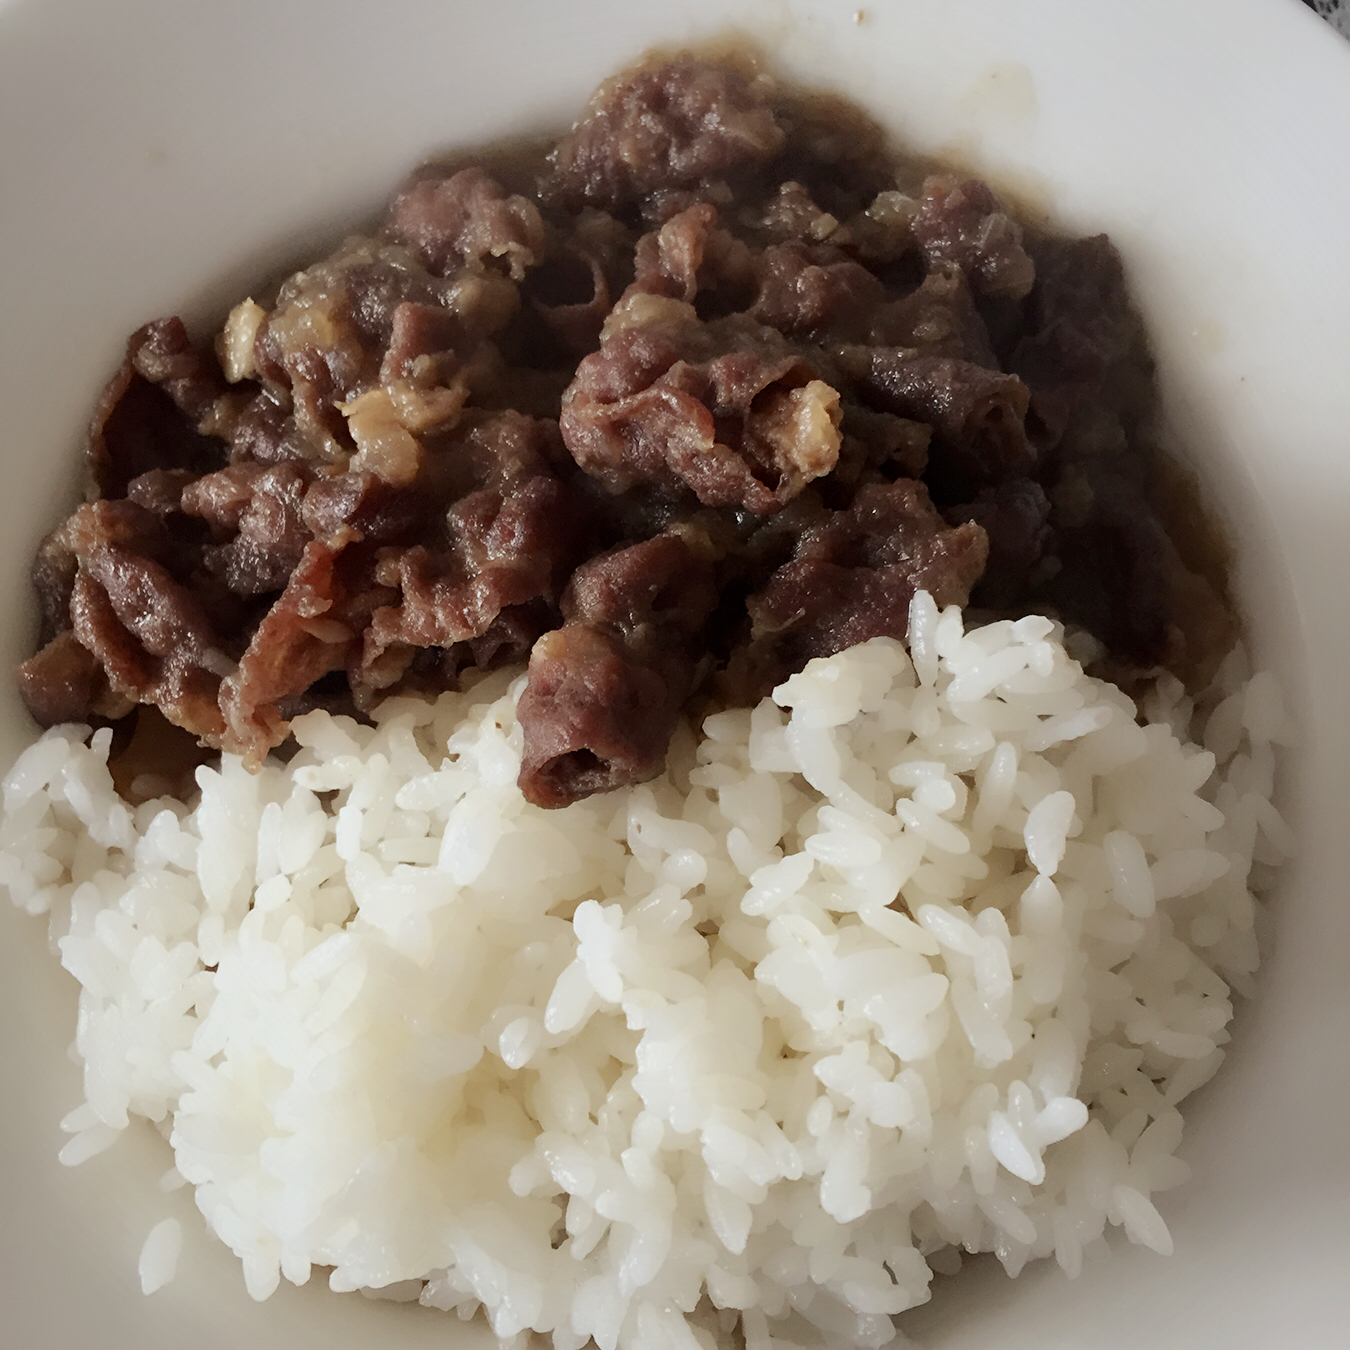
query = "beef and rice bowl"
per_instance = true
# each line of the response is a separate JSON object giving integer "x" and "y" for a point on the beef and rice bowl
{"x": 639, "y": 748}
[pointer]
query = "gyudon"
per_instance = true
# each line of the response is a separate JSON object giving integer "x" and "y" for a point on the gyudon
{"x": 900, "y": 936}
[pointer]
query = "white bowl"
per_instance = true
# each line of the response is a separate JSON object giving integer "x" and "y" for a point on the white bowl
{"x": 157, "y": 158}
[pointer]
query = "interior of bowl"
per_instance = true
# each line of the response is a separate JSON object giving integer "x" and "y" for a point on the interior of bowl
{"x": 172, "y": 157}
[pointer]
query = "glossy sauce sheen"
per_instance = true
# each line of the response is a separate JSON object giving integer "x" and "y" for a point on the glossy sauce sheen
{"x": 710, "y": 388}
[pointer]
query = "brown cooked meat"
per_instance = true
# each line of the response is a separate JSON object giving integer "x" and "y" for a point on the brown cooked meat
{"x": 706, "y": 391}
{"x": 725, "y": 410}
{"x": 852, "y": 577}
{"x": 663, "y": 127}
{"x": 606, "y": 688}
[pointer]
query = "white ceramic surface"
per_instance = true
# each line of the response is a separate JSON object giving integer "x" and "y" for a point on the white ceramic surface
{"x": 158, "y": 156}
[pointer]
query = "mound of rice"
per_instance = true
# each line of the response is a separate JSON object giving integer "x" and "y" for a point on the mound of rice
{"x": 918, "y": 957}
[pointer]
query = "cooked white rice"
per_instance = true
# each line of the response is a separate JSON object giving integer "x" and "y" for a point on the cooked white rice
{"x": 918, "y": 957}
{"x": 159, "y": 1256}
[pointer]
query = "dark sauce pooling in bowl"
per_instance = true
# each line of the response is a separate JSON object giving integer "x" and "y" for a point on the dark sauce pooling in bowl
{"x": 706, "y": 389}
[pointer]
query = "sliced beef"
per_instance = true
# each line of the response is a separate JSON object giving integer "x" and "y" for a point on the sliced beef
{"x": 356, "y": 507}
{"x": 960, "y": 221}
{"x": 499, "y": 449}
{"x": 1082, "y": 344}
{"x": 309, "y": 350}
{"x": 312, "y": 629}
{"x": 571, "y": 294}
{"x": 852, "y": 577}
{"x": 674, "y": 124}
{"x": 814, "y": 289}
{"x": 978, "y": 415}
{"x": 94, "y": 526}
{"x": 265, "y": 431}
{"x": 65, "y": 682}
{"x": 939, "y": 318}
{"x": 668, "y": 411}
{"x": 1015, "y": 517}
{"x": 151, "y": 412}
{"x": 259, "y": 507}
{"x": 53, "y": 579}
{"x": 467, "y": 219}
{"x": 606, "y": 688}
{"x": 690, "y": 256}
{"x": 418, "y": 334}
{"x": 1124, "y": 579}
{"x": 360, "y": 320}
{"x": 152, "y": 636}
{"x": 667, "y": 261}
{"x": 508, "y": 547}
{"x": 594, "y": 719}
{"x": 586, "y": 266}
{"x": 160, "y": 491}
{"x": 875, "y": 446}
{"x": 723, "y": 410}
{"x": 163, "y": 354}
